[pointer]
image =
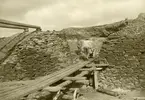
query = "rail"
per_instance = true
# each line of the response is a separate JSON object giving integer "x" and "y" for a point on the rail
{"x": 17, "y": 25}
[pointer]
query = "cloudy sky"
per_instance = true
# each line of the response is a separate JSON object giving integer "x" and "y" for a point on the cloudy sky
{"x": 59, "y": 14}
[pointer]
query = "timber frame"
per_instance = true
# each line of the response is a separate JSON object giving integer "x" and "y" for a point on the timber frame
{"x": 45, "y": 83}
{"x": 17, "y": 25}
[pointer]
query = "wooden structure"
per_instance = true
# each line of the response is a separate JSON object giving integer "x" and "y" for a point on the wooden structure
{"x": 17, "y": 25}
{"x": 10, "y": 42}
{"x": 7, "y": 45}
{"x": 44, "y": 83}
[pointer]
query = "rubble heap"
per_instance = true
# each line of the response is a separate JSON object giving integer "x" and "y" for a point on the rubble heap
{"x": 38, "y": 55}
{"x": 45, "y": 53}
{"x": 126, "y": 50}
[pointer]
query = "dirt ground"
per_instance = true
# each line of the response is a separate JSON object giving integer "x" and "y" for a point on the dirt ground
{"x": 133, "y": 95}
{"x": 96, "y": 96}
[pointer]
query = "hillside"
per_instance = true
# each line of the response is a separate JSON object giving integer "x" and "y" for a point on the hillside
{"x": 46, "y": 52}
{"x": 37, "y": 55}
{"x": 125, "y": 49}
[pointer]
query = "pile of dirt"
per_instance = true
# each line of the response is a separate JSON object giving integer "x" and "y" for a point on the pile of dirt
{"x": 38, "y": 55}
{"x": 127, "y": 53}
{"x": 44, "y": 53}
{"x": 125, "y": 49}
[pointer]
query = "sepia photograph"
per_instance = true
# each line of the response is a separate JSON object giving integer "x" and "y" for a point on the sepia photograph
{"x": 72, "y": 49}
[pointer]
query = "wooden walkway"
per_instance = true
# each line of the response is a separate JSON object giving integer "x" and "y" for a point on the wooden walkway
{"x": 17, "y": 92}
{"x": 18, "y": 89}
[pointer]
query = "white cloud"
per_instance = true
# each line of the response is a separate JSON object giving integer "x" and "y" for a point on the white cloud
{"x": 58, "y": 14}
{"x": 84, "y": 13}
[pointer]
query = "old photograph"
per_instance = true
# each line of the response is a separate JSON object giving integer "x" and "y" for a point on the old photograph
{"x": 72, "y": 49}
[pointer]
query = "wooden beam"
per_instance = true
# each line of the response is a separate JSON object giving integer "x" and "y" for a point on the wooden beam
{"x": 96, "y": 79}
{"x": 102, "y": 65}
{"x": 86, "y": 82}
{"x": 11, "y": 26}
{"x": 69, "y": 81}
{"x": 98, "y": 65}
{"x": 67, "y": 97}
{"x": 2, "y": 21}
{"x": 106, "y": 91}
{"x": 43, "y": 82}
{"x": 5, "y": 84}
{"x": 74, "y": 78}
{"x": 90, "y": 69}
{"x": 63, "y": 84}
{"x": 53, "y": 89}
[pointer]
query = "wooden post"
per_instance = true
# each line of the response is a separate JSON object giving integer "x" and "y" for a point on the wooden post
{"x": 38, "y": 29}
{"x": 96, "y": 79}
{"x": 26, "y": 30}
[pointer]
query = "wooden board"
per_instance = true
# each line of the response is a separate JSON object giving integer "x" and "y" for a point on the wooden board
{"x": 2, "y": 21}
{"x": 74, "y": 78}
{"x": 96, "y": 83}
{"x": 11, "y": 26}
{"x": 45, "y": 81}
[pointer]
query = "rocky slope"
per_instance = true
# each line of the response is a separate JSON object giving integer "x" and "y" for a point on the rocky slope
{"x": 125, "y": 49}
{"x": 44, "y": 53}
{"x": 37, "y": 55}
{"x": 127, "y": 52}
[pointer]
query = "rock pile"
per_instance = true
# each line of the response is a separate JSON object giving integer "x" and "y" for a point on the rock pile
{"x": 44, "y": 53}
{"x": 38, "y": 55}
{"x": 125, "y": 49}
{"x": 127, "y": 53}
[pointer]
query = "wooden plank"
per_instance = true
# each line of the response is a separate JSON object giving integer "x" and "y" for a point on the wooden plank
{"x": 7, "y": 40}
{"x": 16, "y": 40}
{"x": 106, "y": 91}
{"x": 52, "y": 89}
{"x": 10, "y": 45}
{"x": 102, "y": 65}
{"x": 96, "y": 79}
{"x": 4, "y": 84}
{"x": 18, "y": 24}
{"x": 98, "y": 65}
{"x": 11, "y": 26}
{"x": 90, "y": 69}
{"x": 69, "y": 81}
{"x": 67, "y": 97}
{"x": 74, "y": 78}
{"x": 8, "y": 88}
{"x": 42, "y": 82}
{"x": 63, "y": 84}
{"x": 86, "y": 82}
